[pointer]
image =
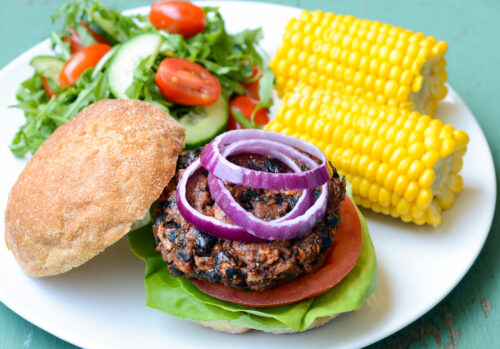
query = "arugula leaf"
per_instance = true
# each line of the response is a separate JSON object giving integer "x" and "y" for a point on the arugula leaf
{"x": 115, "y": 26}
{"x": 144, "y": 87}
{"x": 242, "y": 120}
{"x": 86, "y": 38}
{"x": 44, "y": 115}
{"x": 74, "y": 12}
{"x": 57, "y": 42}
{"x": 266, "y": 84}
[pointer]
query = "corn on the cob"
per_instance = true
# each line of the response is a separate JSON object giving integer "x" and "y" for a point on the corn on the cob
{"x": 400, "y": 163}
{"x": 379, "y": 62}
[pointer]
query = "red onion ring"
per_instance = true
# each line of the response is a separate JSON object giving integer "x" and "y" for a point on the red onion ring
{"x": 282, "y": 229}
{"x": 219, "y": 166}
{"x": 272, "y": 230}
{"x": 205, "y": 223}
{"x": 266, "y": 148}
{"x": 228, "y": 231}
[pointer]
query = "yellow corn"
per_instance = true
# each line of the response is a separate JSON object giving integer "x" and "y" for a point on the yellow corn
{"x": 384, "y": 64}
{"x": 399, "y": 162}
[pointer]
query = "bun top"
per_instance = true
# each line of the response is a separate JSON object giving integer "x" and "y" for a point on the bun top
{"x": 89, "y": 182}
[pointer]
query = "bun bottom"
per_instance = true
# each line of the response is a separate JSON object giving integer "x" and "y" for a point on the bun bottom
{"x": 228, "y": 327}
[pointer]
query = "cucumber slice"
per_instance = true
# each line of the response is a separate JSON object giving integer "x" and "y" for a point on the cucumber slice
{"x": 204, "y": 123}
{"x": 49, "y": 66}
{"x": 127, "y": 59}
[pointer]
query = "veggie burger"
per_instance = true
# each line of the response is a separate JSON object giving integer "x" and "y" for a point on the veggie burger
{"x": 254, "y": 231}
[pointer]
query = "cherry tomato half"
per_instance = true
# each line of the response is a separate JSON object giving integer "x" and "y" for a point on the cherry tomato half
{"x": 178, "y": 17}
{"x": 252, "y": 88}
{"x": 186, "y": 82}
{"x": 80, "y": 61}
{"x": 245, "y": 106}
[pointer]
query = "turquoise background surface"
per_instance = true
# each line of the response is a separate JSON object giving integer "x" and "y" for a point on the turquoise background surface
{"x": 470, "y": 316}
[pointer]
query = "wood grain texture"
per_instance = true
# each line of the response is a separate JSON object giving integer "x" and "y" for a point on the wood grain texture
{"x": 470, "y": 316}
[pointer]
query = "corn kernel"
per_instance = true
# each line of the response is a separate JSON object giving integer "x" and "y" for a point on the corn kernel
{"x": 456, "y": 166}
{"x": 455, "y": 183}
{"x": 364, "y": 161}
{"x": 430, "y": 158}
{"x": 434, "y": 215}
{"x": 417, "y": 212}
{"x": 427, "y": 178}
{"x": 402, "y": 207}
{"x": 448, "y": 146}
{"x": 406, "y": 78}
{"x": 389, "y": 149}
{"x": 461, "y": 137}
{"x": 400, "y": 185}
{"x": 401, "y": 138}
{"x": 424, "y": 198}
{"x": 355, "y": 182}
{"x": 432, "y": 143}
{"x": 373, "y": 193}
{"x": 382, "y": 172}
{"x": 411, "y": 191}
{"x": 416, "y": 169}
{"x": 446, "y": 199}
{"x": 406, "y": 218}
{"x": 404, "y": 165}
{"x": 368, "y": 144}
{"x": 390, "y": 180}
{"x": 397, "y": 156}
{"x": 347, "y": 155}
{"x": 384, "y": 197}
{"x": 371, "y": 171}
{"x": 364, "y": 188}
{"x": 377, "y": 149}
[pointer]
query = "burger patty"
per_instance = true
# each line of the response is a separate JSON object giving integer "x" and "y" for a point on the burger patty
{"x": 194, "y": 254}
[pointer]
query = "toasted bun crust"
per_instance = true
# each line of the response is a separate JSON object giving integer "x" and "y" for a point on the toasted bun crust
{"x": 226, "y": 326}
{"x": 89, "y": 182}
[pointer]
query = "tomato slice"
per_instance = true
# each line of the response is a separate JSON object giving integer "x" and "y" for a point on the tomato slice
{"x": 341, "y": 258}
{"x": 75, "y": 43}
{"x": 46, "y": 86}
{"x": 178, "y": 17}
{"x": 80, "y": 61}
{"x": 246, "y": 106}
{"x": 252, "y": 88}
{"x": 96, "y": 36}
{"x": 186, "y": 82}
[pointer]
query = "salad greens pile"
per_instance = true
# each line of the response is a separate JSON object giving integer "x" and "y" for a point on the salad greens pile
{"x": 179, "y": 297}
{"x": 229, "y": 57}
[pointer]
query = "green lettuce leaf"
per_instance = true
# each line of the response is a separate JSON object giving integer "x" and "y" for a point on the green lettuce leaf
{"x": 179, "y": 298}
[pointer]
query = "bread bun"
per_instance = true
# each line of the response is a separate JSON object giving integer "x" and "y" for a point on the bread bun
{"x": 89, "y": 182}
{"x": 228, "y": 327}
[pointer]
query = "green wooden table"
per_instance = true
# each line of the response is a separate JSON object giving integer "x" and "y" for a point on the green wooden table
{"x": 470, "y": 316}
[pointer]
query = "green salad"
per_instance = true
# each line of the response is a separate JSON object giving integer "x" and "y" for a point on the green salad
{"x": 100, "y": 53}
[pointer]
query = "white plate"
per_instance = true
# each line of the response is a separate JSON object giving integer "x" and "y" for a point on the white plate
{"x": 101, "y": 304}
